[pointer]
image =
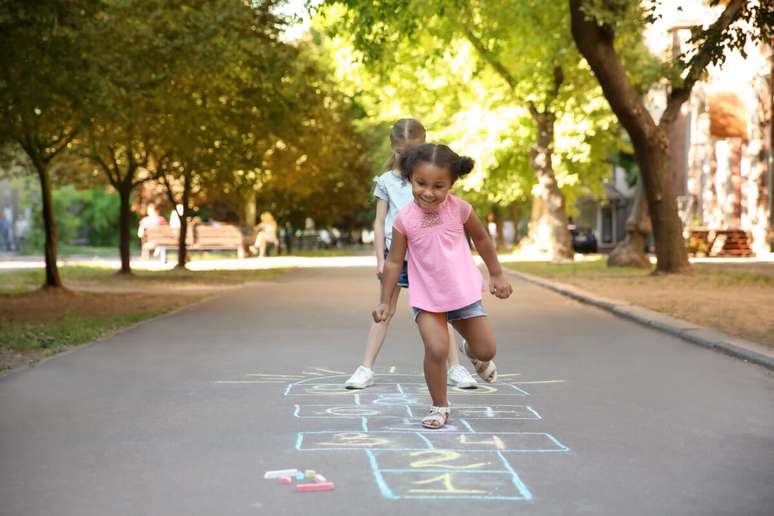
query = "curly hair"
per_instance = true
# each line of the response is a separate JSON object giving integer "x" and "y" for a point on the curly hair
{"x": 439, "y": 155}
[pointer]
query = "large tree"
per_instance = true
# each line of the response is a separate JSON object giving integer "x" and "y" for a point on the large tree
{"x": 524, "y": 61}
{"x": 595, "y": 27}
{"x": 215, "y": 131}
{"x": 44, "y": 76}
{"x": 136, "y": 53}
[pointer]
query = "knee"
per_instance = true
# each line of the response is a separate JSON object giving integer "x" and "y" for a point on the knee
{"x": 436, "y": 353}
{"x": 487, "y": 355}
{"x": 484, "y": 351}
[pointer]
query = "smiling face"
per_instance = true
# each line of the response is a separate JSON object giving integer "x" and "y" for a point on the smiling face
{"x": 430, "y": 184}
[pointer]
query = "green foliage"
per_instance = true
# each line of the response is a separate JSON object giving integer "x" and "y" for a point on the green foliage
{"x": 40, "y": 96}
{"x": 88, "y": 216}
{"x": 468, "y": 70}
{"x": 625, "y": 19}
{"x": 204, "y": 93}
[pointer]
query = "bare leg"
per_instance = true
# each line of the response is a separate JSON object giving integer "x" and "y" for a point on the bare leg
{"x": 454, "y": 356}
{"x": 377, "y": 334}
{"x": 478, "y": 333}
{"x": 435, "y": 335}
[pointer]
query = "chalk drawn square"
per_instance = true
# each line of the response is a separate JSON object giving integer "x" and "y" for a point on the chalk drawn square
{"x": 437, "y": 460}
{"x": 497, "y": 441}
{"x": 337, "y": 389}
{"x": 495, "y": 412}
{"x": 412, "y": 424}
{"x": 501, "y": 483}
{"x": 338, "y": 411}
{"x": 328, "y": 440}
{"x": 496, "y": 389}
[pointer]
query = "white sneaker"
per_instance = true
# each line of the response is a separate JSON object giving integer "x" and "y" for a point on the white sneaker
{"x": 460, "y": 377}
{"x": 360, "y": 379}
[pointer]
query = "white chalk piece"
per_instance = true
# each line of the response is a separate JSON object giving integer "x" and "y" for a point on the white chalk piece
{"x": 323, "y": 486}
{"x": 320, "y": 478}
{"x": 280, "y": 473}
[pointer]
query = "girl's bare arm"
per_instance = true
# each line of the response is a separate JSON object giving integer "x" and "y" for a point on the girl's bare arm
{"x": 498, "y": 285}
{"x": 381, "y": 216}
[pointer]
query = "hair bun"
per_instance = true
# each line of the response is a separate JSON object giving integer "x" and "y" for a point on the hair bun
{"x": 464, "y": 165}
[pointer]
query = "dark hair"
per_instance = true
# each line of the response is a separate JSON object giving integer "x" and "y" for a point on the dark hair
{"x": 405, "y": 133}
{"x": 437, "y": 154}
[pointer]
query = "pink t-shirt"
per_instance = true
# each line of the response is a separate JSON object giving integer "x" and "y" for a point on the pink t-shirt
{"x": 442, "y": 274}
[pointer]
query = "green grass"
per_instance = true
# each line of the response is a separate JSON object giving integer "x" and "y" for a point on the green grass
{"x": 59, "y": 335}
{"x": 23, "y": 280}
{"x": 65, "y": 250}
{"x": 344, "y": 251}
{"x": 563, "y": 270}
{"x": 718, "y": 275}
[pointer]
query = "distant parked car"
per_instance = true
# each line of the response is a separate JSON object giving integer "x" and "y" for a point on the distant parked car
{"x": 583, "y": 240}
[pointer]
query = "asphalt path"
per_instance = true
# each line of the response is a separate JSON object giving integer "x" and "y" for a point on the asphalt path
{"x": 184, "y": 414}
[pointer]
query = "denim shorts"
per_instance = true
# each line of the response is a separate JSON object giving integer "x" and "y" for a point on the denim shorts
{"x": 466, "y": 312}
{"x": 403, "y": 279}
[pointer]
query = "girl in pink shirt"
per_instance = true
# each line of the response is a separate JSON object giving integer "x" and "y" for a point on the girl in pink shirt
{"x": 445, "y": 283}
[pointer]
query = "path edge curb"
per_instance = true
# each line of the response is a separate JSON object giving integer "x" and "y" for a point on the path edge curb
{"x": 688, "y": 331}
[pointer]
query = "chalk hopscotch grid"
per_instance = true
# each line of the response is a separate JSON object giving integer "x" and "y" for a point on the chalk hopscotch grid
{"x": 403, "y": 396}
{"x": 301, "y": 439}
{"x": 387, "y": 492}
{"x": 334, "y": 389}
{"x": 357, "y": 410}
{"x": 406, "y": 401}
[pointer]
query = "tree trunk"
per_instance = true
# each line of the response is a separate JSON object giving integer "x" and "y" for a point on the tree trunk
{"x": 250, "y": 214}
{"x": 651, "y": 146}
{"x": 53, "y": 279}
{"x": 631, "y": 251}
{"x": 656, "y": 177}
{"x": 548, "y": 231}
{"x": 123, "y": 228}
{"x": 182, "y": 249}
{"x": 516, "y": 210}
{"x": 288, "y": 238}
{"x": 499, "y": 234}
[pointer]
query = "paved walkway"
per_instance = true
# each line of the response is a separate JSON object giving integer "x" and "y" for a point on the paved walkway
{"x": 184, "y": 414}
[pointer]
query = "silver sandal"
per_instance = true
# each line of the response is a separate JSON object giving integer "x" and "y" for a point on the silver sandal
{"x": 487, "y": 373}
{"x": 437, "y": 418}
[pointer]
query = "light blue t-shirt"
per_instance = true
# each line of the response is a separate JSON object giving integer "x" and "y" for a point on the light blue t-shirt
{"x": 392, "y": 188}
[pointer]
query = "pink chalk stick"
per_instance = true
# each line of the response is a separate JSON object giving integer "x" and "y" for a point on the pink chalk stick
{"x": 320, "y": 486}
{"x": 285, "y": 480}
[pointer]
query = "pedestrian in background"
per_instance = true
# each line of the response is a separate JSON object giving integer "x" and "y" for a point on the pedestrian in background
{"x": 267, "y": 234}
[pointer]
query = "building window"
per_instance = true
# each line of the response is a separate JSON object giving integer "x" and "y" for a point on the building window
{"x": 607, "y": 224}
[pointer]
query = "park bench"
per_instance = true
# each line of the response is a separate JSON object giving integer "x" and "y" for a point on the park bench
{"x": 199, "y": 237}
{"x": 218, "y": 237}
{"x": 720, "y": 242}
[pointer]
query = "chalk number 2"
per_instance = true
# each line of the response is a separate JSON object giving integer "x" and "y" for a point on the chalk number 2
{"x": 440, "y": 458}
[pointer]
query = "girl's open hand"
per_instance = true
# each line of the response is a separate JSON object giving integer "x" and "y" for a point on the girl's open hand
{"x": 500, "y": 287}
{"x": 381, "y": 312}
